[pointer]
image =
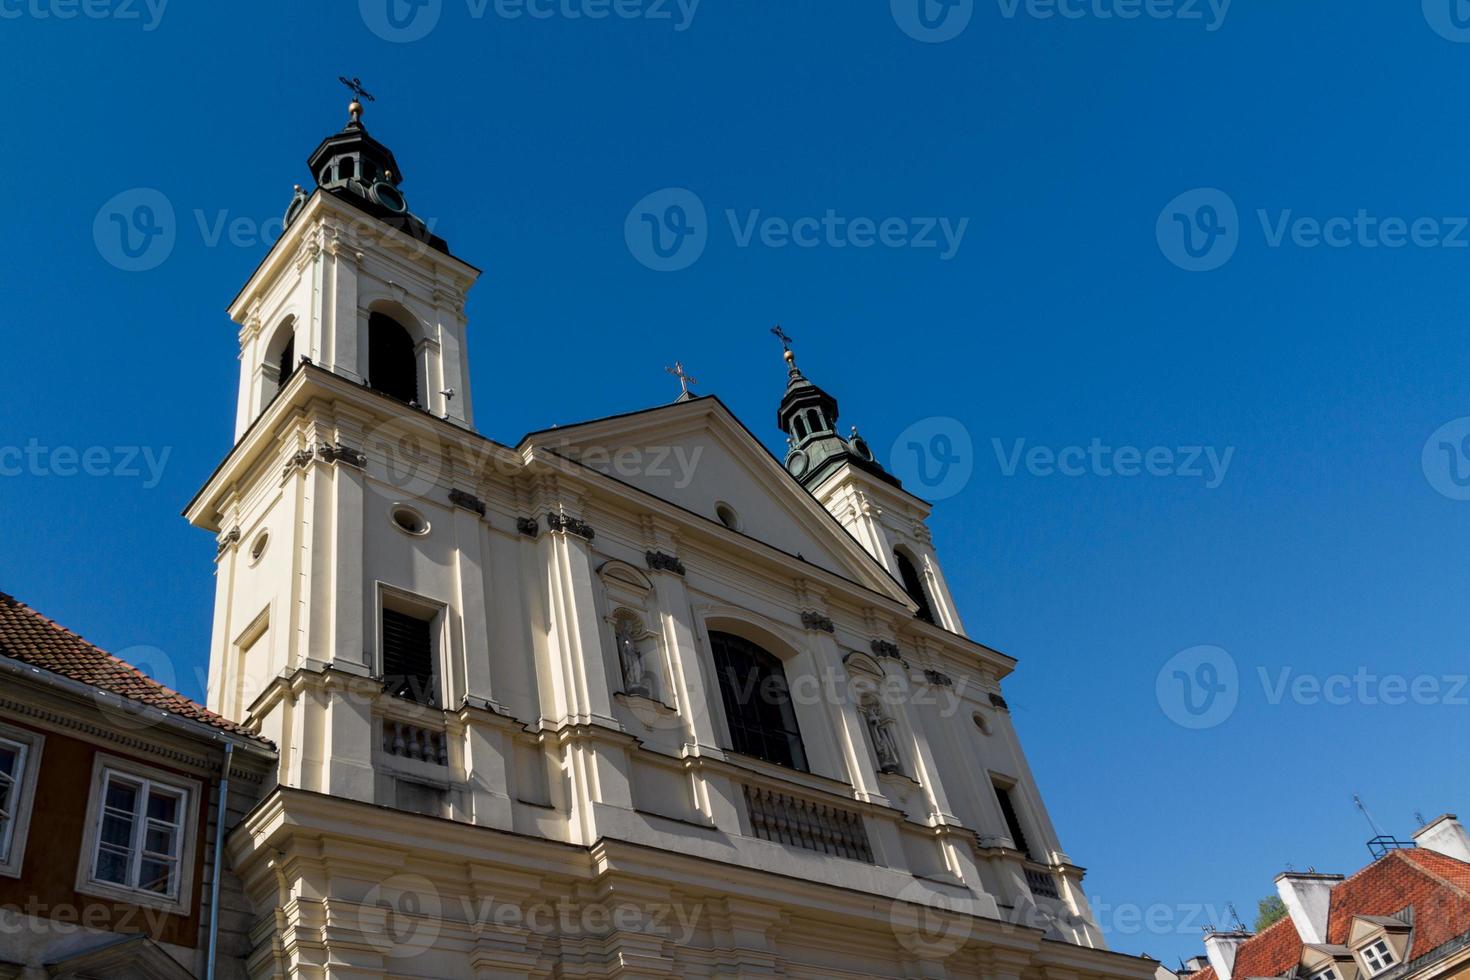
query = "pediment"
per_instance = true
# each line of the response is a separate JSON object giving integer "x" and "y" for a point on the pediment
{"x": 697, "y": 456}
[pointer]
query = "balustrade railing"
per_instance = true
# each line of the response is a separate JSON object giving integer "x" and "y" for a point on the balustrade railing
{"x": 410, "y": 741}
{"x": 785, "y": 819}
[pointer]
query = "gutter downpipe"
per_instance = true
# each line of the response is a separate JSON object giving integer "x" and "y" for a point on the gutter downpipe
{"x": 219, "y": 853}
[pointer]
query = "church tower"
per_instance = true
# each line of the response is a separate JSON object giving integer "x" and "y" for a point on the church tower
{"x": 870, "y": 502}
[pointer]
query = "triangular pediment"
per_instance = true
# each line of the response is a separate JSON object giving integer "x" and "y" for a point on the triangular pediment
{"x": 122, "y": 958}
{"x": 697, "y": 456}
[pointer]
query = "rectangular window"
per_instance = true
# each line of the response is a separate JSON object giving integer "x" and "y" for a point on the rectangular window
{"x": 1328, "y": 974}
{"x": 408, "y": 657}
{"x": 1378, "y": 956}
{"x": 1013, "y": 821}
{"x": 140, "y": 838}
{"x": 20, "y": 753}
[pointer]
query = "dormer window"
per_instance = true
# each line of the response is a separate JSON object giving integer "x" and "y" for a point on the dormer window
{"x": 1330, "y": 973}
{"x": 1377, "y": 956}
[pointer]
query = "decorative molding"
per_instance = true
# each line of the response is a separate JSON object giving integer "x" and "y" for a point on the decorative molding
{"x": 228, "y": 540}
{"x": 816, "y": 621}
{"x": 342, "y": 454}
{"x": 468, "y": 501}
{"x": 299, "y": 460}
{"x": 997, "y": 701}
{"x": 937, "y": 679}
{"x": 886, "y": 650}
{"x": 560, "y": 522}
{"x": 660, "y": 562}
{"x": 528, "y": 526}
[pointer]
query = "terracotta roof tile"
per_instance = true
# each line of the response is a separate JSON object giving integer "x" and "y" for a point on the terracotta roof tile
{"x": 1437, "y": 886}
{"x": 33, "y": 639}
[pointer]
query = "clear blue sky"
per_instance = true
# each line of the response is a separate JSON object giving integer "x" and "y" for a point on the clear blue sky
{"x": 1059, "y": 320}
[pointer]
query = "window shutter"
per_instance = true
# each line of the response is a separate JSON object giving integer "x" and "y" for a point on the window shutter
{"x": 408, "y": 657}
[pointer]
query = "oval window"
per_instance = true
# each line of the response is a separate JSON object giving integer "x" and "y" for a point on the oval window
{"x": 727, "y": 516}
{"x": 410, "y": 521}
{"x": 258, "y": 546}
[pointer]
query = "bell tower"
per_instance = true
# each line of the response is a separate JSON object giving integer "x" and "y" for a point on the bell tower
{"x": 845, "y": 476}
{"x": 357, "y": 284}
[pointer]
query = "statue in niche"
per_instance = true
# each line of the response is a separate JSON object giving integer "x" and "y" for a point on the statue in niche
{"x": 638, "y": 678}
{"x": 885, "y": 742}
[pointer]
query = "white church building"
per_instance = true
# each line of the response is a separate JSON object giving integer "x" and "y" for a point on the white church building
{"x": 630, "y": 698}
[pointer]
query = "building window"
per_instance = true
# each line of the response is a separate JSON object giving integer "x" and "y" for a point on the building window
{"x": 408, "y": 657}
{"x": 757, "y": 702}
{"x": 727, "y": 516}
{"x": 19, "y": 760}
{"x": 1013, "y": 820}
{"x": 913, "y": 584}
{"x": 140, "y": 836}
{"x": 391, "y": 365}
{"x": 1330, "y": 973}
{"x": 287, "y": 363}
{"x": 1378, "y": 956}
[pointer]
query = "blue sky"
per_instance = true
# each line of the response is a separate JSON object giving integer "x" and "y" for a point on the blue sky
{"x": 1074, "y": 152}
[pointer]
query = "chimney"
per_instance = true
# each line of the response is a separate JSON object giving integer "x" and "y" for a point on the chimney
{"x": 1446, "y": 836}
{"x": 1221, "y": 948}
{"x": 1308, "y": 897}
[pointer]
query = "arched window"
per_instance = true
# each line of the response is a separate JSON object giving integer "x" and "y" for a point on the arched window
{"x": 799, "y": 425}
{"x": 287, "y": 363}
{"x": 391, "y": 367}
{"x": 913, "y": 584}
{"x": 757, "y": 702}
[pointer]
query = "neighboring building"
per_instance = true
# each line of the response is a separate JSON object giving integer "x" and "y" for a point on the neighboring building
{"x": 109, "y": 796}
{"x": 629, "y": 699}
{"x": 1406, "y": 916}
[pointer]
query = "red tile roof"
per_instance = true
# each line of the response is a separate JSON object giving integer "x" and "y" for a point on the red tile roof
{"x": 1437, "y": 886}
{"x": 31, "y": 638}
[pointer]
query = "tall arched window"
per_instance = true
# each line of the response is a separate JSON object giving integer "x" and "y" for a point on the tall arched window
{"x": 287, "y": 363}
{"x": 757, "y": 702}
{"x": 913, "y": 584}
{"x": 391, "y": 367}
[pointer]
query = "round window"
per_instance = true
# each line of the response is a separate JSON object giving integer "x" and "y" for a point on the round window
{"x": 727, "y": 516}
{"x": 410, "y": 521}
{"x": 258, "y": 546}
{"x": 982, "y": 724}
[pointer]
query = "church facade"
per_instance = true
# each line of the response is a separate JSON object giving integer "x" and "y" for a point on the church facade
{"x": 629, "y": 698}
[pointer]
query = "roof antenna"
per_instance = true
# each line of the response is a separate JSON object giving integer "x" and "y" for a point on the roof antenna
{"x": 1235, "y": 917}
{"x": 1419, "y": 816}
{"x": 1358, "y": 802}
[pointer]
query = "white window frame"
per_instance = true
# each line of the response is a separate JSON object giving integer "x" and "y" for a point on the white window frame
{"x": 1327, "y": 973}
{"x": 1379, "y": 962}
{"x": 17, "y": 828}
{"x": 191, "y": 789}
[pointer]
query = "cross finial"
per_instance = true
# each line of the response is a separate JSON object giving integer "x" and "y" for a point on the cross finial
{"x": 359, "y": 95}
{"x": 782, "y": 336}
{"x": 684, "y": 379}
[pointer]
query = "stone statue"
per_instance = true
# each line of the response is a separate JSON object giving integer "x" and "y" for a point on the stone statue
{"x": 885, "y": 743}
{"x": 637, "y": 679}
